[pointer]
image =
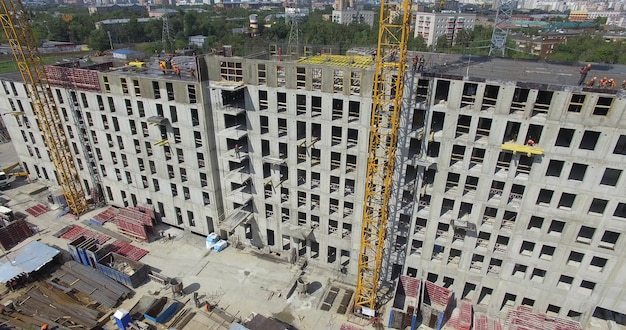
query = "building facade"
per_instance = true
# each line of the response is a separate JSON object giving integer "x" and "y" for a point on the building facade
{"x": 353, "y": 16}
{"x": 507, "y": 192}
{"x": 431, "y": 26}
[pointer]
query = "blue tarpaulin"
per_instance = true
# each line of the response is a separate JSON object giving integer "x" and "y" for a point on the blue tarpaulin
{"x": 31, "y": 257}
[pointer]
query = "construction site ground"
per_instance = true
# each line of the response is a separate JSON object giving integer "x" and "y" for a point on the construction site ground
{"x": 237, "y": 280}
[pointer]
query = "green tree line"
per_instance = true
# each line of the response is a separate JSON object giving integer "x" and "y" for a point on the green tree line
{"x": 78, "y": 26}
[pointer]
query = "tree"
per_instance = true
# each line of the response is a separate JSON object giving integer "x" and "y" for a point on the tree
{"x": 98, "y": 40}
{"x": 442, "y": 43}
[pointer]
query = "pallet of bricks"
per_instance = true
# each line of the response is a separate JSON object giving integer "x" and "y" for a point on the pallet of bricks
{"x": 137, "y": 222}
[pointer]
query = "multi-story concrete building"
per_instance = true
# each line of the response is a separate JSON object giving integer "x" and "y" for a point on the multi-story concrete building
{"x": 353, "y": 16}
{"x": 508, "y": 186}
{"x": 431, "y": 26}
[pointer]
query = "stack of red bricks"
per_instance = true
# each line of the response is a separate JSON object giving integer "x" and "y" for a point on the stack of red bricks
{"x": 483, "y": 322}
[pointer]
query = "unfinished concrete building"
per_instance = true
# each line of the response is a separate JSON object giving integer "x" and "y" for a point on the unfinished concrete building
{"x": 508, "y": 187}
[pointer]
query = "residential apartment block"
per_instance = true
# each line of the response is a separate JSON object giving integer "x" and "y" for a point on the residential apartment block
{"x": 508, "y": 187}
{"x": 431, "y": 26}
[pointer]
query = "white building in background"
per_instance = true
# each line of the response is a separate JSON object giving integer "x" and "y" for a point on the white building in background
{"x": 431, "y": 26}
{"x": 349, "y": 16}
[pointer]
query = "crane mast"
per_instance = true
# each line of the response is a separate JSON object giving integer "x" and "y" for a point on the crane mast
{"x": 391, "y": 57}
{"x": 22, "y": 42}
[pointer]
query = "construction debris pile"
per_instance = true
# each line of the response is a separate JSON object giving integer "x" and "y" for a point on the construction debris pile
{"x": 75, "y": 297}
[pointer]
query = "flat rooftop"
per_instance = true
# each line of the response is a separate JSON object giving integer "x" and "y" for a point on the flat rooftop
{"x": 482, "y": 68}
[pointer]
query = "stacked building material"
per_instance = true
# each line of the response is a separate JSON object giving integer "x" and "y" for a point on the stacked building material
{"x": 135, "y": 222}
{"x": 97, "y": 286}
{"x": 127, "y": 250}
{"x": 483, "y": 322}
{"x": 524, "y": 318}
{"x": 101, "y": 218}
{"x": 48, "y": 304}
{"x": 73, "y": 232}
{"x": 37, "y": 210}
{"x": 14, "y": 233}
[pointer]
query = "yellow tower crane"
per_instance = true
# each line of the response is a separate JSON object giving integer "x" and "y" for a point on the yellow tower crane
{"x": 391, "y": 56}
{"x": 22, "y": 42}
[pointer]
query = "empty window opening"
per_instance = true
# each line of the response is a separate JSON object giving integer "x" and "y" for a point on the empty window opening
{"x": 520, "y": 97}
{"x": 442, "y": 90}
{"x": 586, "y": 287}
{"x": 496, "y": 189}
{"x": 542, "y": 103}
{"x": 422, "y": 90}
{"x": 538, "y": 275}
{"x": 547, "y": 252}
{"x": 504, "y": 162}
{"x": 535, "y": 223}
{"x": 566, "y": 201}
{"x": 603, "y": 105}
{"x": 316, "y": 78}
{"x": 554, "y": 168}
{"x": 463, "y": 125}
{"x": 589, "y": 140}
{"x": 438, "y": 121}
{"x": 577, "y": 172}
{"x": 353, "y": 138}
{"x": 610, "y": 177}
{"x": 494, "y": 266}
{"x": 564, "y": 138}
{"x": 527, "y": 248}
{"x": 301, "y": 104}
{"x": 418, "y": 119}
{"x": 508, "y": 301}
{"x": 609, "y": 239}
{"x": 528, "y": 302}
{"x": 483, "y": 129}
{"x": 511, "y": 131}
{"x": 316, "y": 106}
{"x": 471, "y": 184}
{"x": 490, "y": 97}
{"x": 477, "y": 262}
{"x": 519, "y": 271}
{"x": 337, "y": 109}
{"x": 336, "y": 136}
{"x": 457, "y": 154}
{"x": 338, "y": 81}
{"x": 575, "y": 258}
{"x": 469, "y": 94}
{"x": 261, "y": 73}
{"x": 597, "y": 264}
{"x": 576, "y": 103}
{"x": 534, "y": 133}
{"x": 354, "y": 110}
{"x": 598, "y": 206}
{"x": 556, "y": 227}
{"x": 300, "y": 77}
{"x": 281, "y": 102}
{"x": 502, "y": 242}
{"x": 524, "y": 165}
{"x": 620, "y": 146}
{"x": 485, "y": 296}
{"x": 565, "y": 282}
{"x": 263, "y": 102}
{"x": 553, "y": 310}
{"x": 452, "y": 182}
{"x": 447, "y": 206}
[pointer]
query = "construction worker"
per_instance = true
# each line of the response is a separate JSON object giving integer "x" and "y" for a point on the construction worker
{"x": 611, "y": 83}
{"x": 531, "y": 142}
{"x": 176, "y": 70}
{"x": 591, "y": 82}
{"x": 583, "y": 74}
{"x": 415, "y": 61}
{"x": 624, "y": 84}
{"x": 603, "y": 82}
{"x": 420, "y": 68}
